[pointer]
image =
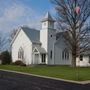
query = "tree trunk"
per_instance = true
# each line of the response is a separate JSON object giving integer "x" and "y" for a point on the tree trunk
{"x": 73, "y": 60}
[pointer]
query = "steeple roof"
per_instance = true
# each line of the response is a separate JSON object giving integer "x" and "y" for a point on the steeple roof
{"x": 48, "y": 17}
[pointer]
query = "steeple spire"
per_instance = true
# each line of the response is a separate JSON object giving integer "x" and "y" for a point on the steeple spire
{"x": 48, "y": 17}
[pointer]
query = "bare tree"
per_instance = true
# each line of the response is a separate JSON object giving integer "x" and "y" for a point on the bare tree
{"x": 73, "y": 18}
{"x": 12, "y": 34}
{"x": 3, "y": 42}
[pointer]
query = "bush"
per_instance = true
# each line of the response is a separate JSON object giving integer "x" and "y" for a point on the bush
{"x": 18, "y": 62}
{"x": 5, "y": 57}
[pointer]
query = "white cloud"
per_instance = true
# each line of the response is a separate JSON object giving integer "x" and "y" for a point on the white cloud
{"x": 16, "y": 15}
{"x": 14, "y": 12}
{"x": 11, "y": 14}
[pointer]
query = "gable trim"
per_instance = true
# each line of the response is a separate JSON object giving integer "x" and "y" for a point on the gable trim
{"x": 19, "y": 29}
{"x": 36, "y": 49}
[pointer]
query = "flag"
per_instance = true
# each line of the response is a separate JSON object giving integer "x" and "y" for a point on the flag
{"x": 77, "y": 9}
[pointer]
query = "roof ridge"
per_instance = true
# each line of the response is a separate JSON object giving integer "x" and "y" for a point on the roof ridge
{"x": 29, "y": 28}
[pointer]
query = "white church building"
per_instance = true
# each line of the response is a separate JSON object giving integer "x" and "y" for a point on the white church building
{"x": 45, "y": 46}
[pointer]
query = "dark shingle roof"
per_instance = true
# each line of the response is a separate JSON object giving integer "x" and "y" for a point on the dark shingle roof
{"x": 33, "y": 34}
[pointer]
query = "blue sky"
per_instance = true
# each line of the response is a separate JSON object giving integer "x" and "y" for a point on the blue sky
{"x": 15, "y": 13}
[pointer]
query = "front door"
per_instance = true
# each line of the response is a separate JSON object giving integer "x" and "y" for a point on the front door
{"x": 36, "y": 58}
{"x": 43, "y": 58}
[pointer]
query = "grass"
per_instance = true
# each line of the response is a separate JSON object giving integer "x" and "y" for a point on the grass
{"x": 64, "y": 72}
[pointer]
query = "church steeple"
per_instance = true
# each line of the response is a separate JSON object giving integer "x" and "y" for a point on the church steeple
{"x": 47, "y": 37}
{"x": 48, "y": 17}
{"x": 48, "y": 21}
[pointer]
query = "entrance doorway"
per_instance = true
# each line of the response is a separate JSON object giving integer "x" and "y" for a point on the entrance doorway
{"x": 36, "y": 59}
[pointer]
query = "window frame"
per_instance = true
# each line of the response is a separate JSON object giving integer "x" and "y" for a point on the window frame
{"x": 21, "y": 53}
{"x": 65, "y": 54}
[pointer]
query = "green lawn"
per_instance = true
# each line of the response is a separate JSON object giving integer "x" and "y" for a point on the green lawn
{"x": 64, "y": 72}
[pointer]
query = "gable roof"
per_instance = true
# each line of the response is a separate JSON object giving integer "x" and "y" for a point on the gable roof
{"x": 58, "y": 35}
{"x": 33, "y": 34}
{"x": 40, "y": 49}
{"x": 86, "y": 52}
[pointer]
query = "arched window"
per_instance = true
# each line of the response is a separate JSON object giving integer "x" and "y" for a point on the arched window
{"x": 65, "y": 54}
{"x": 51, "y": 54}
{"x": 21, "y": 54}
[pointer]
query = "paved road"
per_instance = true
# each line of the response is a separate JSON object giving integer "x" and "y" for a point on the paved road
{"x": 14, "y": 81}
